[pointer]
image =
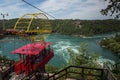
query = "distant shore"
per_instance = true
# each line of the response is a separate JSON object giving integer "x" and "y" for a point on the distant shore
{"x": 83, "y": 36}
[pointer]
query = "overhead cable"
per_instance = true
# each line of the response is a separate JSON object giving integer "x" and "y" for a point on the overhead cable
{"x": 38, "y": 9}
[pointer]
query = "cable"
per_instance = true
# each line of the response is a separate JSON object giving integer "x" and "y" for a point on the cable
{"x": 38, "y": 9}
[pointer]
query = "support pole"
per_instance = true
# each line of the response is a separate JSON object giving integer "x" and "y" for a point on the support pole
{"x": 3, "y": 15}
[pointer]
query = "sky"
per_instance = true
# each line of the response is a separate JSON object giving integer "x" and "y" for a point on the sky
{"x": 60, "y": 9}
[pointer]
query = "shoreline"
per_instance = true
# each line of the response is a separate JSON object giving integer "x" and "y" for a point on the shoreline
{"x": 82, "y": 36}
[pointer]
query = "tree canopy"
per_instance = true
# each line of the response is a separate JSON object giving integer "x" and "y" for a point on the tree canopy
{"x": 113, "y": 8}
{"x": 83, "y": 57}
{"x": 112, "y": 43}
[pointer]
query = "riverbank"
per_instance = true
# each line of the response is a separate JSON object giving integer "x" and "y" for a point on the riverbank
{"x": 113, "y": 44}
{"x": 82, "y": 36}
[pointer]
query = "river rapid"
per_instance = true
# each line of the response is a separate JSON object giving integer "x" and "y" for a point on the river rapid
{"x": 60, "y": 45}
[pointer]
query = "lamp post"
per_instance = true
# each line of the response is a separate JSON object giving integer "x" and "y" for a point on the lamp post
{"x": 3, "y": 15}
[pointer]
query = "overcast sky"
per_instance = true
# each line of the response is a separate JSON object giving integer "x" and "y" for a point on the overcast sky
{"x": 61, "y": 9}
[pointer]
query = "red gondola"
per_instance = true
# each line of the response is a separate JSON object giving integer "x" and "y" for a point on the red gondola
{"x": 33, "y": 57}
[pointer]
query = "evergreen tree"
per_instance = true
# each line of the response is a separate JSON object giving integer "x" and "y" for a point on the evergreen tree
{"x": 83, "y": 57}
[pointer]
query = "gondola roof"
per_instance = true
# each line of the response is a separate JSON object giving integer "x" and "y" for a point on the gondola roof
{"x": 32, "y": 48}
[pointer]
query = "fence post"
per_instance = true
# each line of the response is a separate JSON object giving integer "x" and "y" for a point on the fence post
{"x": 1, "y": 76}
{"x": 54, "y": 77}
{"x": 66, "y": 73}
{"x": 82, "y": 73}
{"x": 102, "y": 74}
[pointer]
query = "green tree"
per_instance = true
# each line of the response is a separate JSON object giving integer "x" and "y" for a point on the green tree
{"x": 112, "y": 43}
{"x": 83, "y": 57}
{"x": 51, "y": 68}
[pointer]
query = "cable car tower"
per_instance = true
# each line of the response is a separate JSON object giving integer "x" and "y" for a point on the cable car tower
{"x": 33, "y": 23}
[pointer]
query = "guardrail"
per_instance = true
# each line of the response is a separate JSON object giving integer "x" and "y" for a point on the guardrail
{"x": 82, "y": 73}
{"x": 108, "y": 75}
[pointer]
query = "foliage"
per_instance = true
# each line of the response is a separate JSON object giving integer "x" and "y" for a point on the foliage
{"x": 113, "y": 8}
{"x": 83, "y": 57}
{"x": 51, "y": 68}
{"x": 3, "y": 57}
{"x": 112, "y": 43}
{"x": 85, "y": 27}
{"x": 76, "y": 27}
{"x": 10, "y": 23}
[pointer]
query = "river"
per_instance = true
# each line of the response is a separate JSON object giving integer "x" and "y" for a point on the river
{"x": 60, "y": 45}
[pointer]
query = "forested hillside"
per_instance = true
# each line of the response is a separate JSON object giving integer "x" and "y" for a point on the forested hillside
{"x": 78, "y": 27}
{"x": 87, "y": 27}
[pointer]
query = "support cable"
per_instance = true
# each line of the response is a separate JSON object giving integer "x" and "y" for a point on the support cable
{"x": 38, "y": 9}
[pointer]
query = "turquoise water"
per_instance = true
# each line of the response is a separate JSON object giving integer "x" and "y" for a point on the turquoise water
{"x": 60, "y": 45}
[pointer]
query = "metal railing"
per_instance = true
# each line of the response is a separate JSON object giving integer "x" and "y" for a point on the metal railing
{"x": 108, "y": 75}
{"x": 82, "y": 73}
